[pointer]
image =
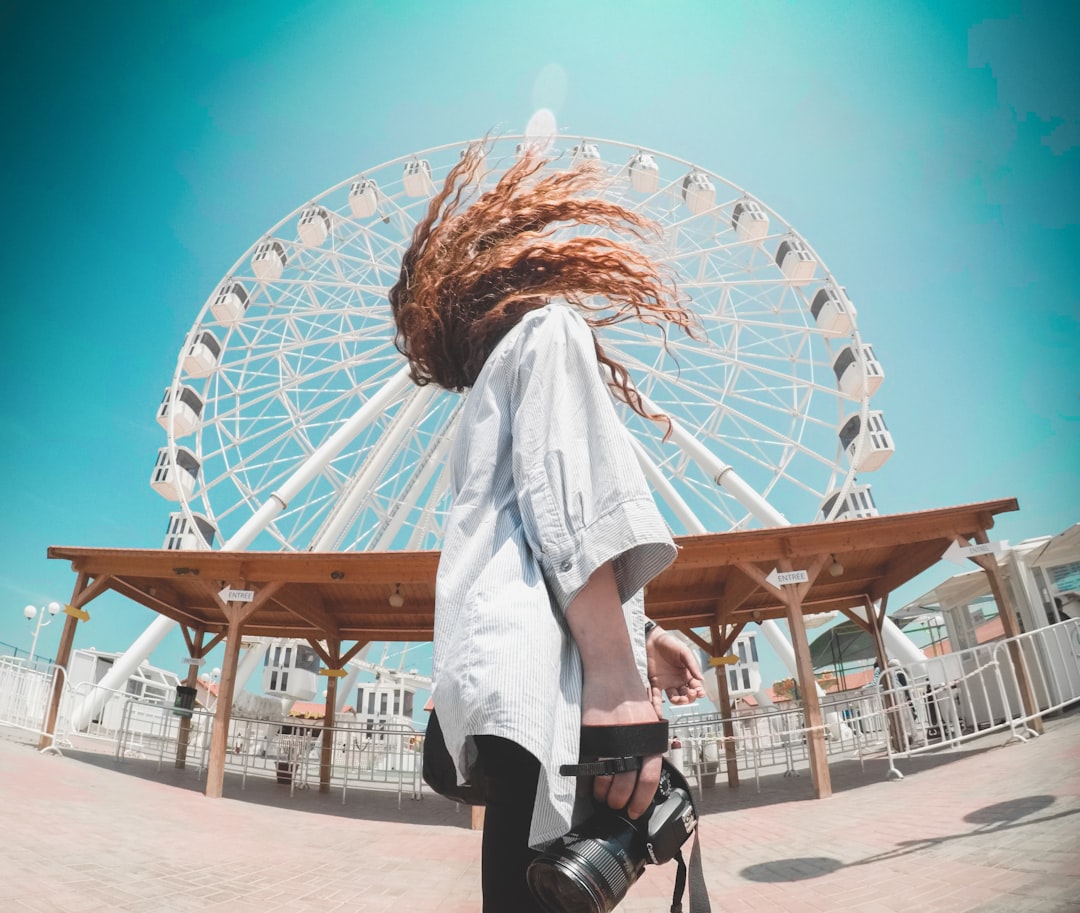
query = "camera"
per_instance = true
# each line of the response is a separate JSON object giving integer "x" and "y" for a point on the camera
{"x": 590, "y": 869}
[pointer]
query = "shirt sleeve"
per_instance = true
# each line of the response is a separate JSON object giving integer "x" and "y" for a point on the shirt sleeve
{"x": 581, "y": 493}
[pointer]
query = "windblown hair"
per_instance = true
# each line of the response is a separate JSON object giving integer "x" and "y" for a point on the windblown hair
{"x": 477, "y": 265}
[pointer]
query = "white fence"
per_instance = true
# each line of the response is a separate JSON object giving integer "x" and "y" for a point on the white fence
{"x": 288, "y": 750}
{"x": 25, "y": 689}
{"x": 943, "y": 703}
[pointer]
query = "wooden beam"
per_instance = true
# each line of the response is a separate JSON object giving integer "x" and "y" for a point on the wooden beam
{"x": 1008, "y": 614}
{"x": 863, "y": 623}
{"x": 236, "y": 613}
{"x": 727, "y": 725}
{"x": 188, "y": 642}
{"x": 729, "y": 637}
{"x": 219, "y": 736}
{"x": 352, "y": 651}
{"x": 326, "y": 755}
{"x": 815, "y": 735}
{"x": 699, "y": 640}
{"x": 325, "y": 655}
{"x": 177, "y": 613}
{"x": 218, "y": 638}
{"x": 63, "y": 657}
{"x": 183, "y": 737}
{"x": 305, "y": 604}
{"x": 915, "y": 558}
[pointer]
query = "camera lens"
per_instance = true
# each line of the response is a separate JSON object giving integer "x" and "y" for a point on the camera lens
{"x": 589, "y": 870}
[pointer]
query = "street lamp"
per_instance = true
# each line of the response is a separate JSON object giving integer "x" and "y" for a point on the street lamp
{"x": 30, "y": 611}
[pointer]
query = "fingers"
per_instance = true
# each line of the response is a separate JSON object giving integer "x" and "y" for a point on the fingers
{"x": 656, "y": 695}
{"x": 602, "y": 788}
{"x": 648, "y": 777}
{"x": 618, "y": 790}
{"x": 633, "y": 790}
{"x": 686, "y": 694}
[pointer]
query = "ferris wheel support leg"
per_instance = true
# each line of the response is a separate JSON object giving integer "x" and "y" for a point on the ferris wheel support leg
{"x": 348, "y": 684}
{"x": 116, "y": 678}
{"x": 251, "y": 661}
{"x": 361, "y": 485}
{"x": 433, "y": 462}
{"x": 319, "y": 460}
{"x": 724, "y": 476}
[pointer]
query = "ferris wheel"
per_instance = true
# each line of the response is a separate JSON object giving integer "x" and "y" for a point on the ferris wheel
{"x": 291, "y": 423}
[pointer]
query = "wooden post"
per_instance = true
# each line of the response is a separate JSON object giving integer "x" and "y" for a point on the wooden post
{"x": 1007, "y": 612}
{"x": 219, "y": 737}
{"x": 326, "y": 756}
{"x": 815, "y": 735}
{"x": 731, "y": 756}
{"x": 892, "y": 704}
{"x": 63, "y": 657}
{"x": 183, "y": 736}
{"x": 730, "y": 748}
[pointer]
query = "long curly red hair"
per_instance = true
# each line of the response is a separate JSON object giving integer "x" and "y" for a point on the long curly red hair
{"x": 478, "y": 264}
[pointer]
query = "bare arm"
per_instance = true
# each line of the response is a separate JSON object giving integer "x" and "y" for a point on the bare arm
{"x": 612, "y": 693}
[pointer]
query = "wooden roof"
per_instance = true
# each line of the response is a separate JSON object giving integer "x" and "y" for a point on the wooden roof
{"x": 346, "y": 595}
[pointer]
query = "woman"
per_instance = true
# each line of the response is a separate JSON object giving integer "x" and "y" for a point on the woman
{"x": 553, "y": 533}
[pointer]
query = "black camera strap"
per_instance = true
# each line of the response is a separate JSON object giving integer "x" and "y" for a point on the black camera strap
{"x": 616, "y": 749}
{"x": 699, "y": 893}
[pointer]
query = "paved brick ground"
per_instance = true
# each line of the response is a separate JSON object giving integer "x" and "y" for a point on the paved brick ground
{"x": 992, "y": 829}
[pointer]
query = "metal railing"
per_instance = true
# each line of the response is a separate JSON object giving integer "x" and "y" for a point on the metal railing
{"x": 25, "y": 693}
{"x": 957, "y": 697}
{"x": 290, "y": 750}
{"x": 944, "y": 702}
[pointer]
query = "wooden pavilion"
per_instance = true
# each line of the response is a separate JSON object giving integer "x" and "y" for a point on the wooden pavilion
{"x": 338, "y": 602}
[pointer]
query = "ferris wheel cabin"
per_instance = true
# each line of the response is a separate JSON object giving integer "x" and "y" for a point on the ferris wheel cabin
{"x": 584, "y": 152}
{"x": 644, "y": 173}
{"x": 182, "y": 410}
{"x": 173, "y": 480}
{"x": 417, "y": 178}
{"x": 230, "y": 303}
{"x": 699, "y": 193}
{"x": 749, "y": 221}
{"x": 313, "y": 226}
{"x": 856, "y": 505}
{"x": 268, "y": 262}
{"x": 182, "y": 534}
{"x": 858, "y": 372}
{"x": 203, "y": 355}
{"x": 832, "y": 311}
{"x": 868, "y": 446}
{"x": 795, "y": 261}
{"x": 291, "y": 670}
{"x": 364, "y": 198}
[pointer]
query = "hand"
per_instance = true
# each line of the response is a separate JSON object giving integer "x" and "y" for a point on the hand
{"x": 635, "y": 789}
{"x": 673, "y": 670}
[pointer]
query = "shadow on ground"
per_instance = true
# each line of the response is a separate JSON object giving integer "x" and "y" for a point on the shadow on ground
{"x": 997, "y": 818}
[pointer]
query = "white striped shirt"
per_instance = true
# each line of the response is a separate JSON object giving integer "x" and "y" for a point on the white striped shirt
{"x": 546, "y": 488}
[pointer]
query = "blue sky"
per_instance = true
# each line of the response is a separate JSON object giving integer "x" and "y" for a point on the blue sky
{"x": 929, "y": 152}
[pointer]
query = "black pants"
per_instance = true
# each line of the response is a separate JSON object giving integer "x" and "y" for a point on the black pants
{"x": 512, "y": 774}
